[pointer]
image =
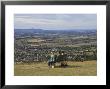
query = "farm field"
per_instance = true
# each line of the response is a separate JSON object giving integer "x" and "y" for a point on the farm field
{"x": 86, "y": 68}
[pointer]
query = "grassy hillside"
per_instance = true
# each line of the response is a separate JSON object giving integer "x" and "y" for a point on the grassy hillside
{"x": 86, "y": 68}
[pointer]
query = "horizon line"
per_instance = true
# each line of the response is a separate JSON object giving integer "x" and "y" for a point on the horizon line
{"x": 53, "y": 29}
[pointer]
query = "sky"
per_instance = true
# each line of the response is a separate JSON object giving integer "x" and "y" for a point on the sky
{"x": 55, "y": 21}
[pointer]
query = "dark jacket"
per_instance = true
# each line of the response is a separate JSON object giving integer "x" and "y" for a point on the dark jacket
{"x": 61, "y": 58}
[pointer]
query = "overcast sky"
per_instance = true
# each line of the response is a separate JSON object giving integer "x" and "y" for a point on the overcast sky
{"x": 55, "y": 21}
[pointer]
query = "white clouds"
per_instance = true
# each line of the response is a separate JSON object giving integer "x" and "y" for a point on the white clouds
{"x": 56, "y": 21}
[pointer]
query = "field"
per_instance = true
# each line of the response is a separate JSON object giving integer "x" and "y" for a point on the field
{"x": 86, "y": 68}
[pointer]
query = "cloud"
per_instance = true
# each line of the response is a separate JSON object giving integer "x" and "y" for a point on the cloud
{"x": 56, "y": 21}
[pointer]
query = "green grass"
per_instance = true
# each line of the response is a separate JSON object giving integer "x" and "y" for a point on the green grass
{"x": 86, "y": 68}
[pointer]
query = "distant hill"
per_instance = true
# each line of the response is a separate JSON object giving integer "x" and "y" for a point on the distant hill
{"x": 27, "y": 30}
{"x": 67, "y": 32}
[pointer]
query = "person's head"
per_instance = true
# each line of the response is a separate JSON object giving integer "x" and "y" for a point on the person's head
{"x": 62, "y": 52}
